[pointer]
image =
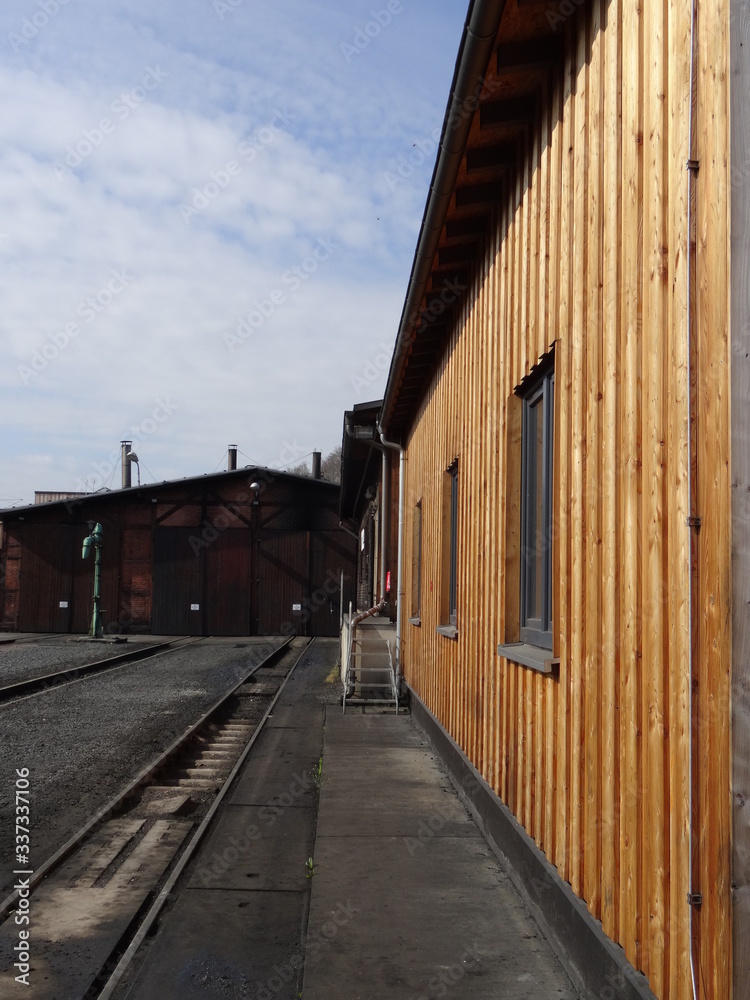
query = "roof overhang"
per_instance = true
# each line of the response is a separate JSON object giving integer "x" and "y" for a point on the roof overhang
{"x": 359, "y": 449}
{"x": 502, "y": 75}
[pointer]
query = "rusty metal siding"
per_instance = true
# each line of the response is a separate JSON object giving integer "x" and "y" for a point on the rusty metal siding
{"x": 177, "y": 583}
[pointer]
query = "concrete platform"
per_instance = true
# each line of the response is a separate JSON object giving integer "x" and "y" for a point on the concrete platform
{"x": 429, "y": 908}
{"x": 406, "y": 900}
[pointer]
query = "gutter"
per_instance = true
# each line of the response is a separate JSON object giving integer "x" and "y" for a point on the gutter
{"x": 477, "y": 44}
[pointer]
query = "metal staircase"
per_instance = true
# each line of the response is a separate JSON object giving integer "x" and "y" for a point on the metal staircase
{"x": 369, "y": 675}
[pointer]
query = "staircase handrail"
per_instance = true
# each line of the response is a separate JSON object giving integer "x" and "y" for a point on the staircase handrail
{"x": 355, "y": 621}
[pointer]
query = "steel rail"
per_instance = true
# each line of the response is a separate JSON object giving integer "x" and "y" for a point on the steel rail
{"x": 46, "y": 682}
{"x": 10, "y": 640}
{"x": 115, "y": 804}
{"x": 148, "y": 921}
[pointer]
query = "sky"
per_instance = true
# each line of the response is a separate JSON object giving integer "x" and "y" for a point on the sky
{"x": 208, "y": 216}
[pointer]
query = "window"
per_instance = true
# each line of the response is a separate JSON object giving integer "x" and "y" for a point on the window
{"x": 416, "y": 565}
{"x": 452, "y": 616}
{"x": 449, "y": 581}
{"x": 536, "y": 510}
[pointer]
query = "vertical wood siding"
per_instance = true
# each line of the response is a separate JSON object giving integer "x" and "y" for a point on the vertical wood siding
{"x": 588, "y": 258}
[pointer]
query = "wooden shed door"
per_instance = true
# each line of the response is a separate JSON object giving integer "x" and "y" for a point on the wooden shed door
{"x": 228, "y": 590}
{"x": 177, "y": 584}
{"x": 46, "y": 578}
{"x": 282, "y": 583}
{"x": 329, "y": 559}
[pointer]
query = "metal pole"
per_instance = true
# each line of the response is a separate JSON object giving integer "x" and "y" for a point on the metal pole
{"x": 95, "y": 540}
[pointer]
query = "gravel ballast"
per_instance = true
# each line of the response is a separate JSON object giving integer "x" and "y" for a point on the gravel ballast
{"x": 35, "y": 659}
{"x": 83, "y": 742}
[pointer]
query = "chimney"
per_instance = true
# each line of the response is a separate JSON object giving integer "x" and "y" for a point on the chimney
{"x": 231, "y": 458}
{"x": 316, "y": 465}
{"x": 127, "y": 447}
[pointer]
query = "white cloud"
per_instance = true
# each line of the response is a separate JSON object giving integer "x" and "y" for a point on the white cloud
{"x": 312, "y": 137}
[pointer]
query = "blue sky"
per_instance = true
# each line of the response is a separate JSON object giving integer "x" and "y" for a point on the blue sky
{"x": 208, "y": 213}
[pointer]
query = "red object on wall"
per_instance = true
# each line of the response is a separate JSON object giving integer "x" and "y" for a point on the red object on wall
{"x": 388, "y": 582}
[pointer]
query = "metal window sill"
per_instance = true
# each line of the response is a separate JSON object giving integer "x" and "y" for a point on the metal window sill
{"x": 449, "y": 631}
{"x": 415, "y": 620}
{"x": 535, "y": 657}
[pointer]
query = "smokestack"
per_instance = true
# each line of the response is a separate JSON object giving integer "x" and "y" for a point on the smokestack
{"x": 231, "y": 458}
{"x": 127, "y": 447}
{"x": 316, "y": 464}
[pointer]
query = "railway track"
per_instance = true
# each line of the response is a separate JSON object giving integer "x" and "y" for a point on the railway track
{"x": 93, "y": 903}
{"x": 44, "y": 682}
{"x": 26, "y": 637}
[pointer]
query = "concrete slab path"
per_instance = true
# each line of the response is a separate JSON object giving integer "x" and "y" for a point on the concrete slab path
{"x": 408, "y": 901}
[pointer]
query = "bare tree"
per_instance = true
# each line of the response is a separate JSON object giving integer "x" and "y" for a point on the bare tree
{"x": 330, "y": 467}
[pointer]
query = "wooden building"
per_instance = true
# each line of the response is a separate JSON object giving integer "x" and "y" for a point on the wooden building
{"x": 245, "y": 552}
{"x": 571, "y": 386}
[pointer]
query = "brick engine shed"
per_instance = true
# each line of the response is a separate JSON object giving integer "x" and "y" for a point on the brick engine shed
{"x": 245, "y": 552}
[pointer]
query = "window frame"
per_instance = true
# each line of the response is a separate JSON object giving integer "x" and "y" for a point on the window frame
{"x": 449, "y": 566}
{"x": 537, "y": 631}
{"x": 416, "y": 565}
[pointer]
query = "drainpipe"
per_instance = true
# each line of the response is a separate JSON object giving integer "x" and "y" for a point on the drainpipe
{"x": 399, "y": 598}
{"x": 694, "y": 896}
{"x": 384, "y": 498}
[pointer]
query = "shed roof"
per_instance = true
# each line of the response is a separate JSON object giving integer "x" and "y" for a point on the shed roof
{"x": 357, "y": 455}
{"x": 265, "y": 475}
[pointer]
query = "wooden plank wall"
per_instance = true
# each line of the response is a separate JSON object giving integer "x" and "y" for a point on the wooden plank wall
{"x": 589, "y": 258}
{"x": 740, "y": 243}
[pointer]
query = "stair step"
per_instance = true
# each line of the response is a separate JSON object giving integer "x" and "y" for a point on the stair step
{"x": 371, "y": 701}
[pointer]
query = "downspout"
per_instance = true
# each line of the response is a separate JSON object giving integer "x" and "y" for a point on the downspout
{"x": 399, "y": 576}
{"x": 384, "y": 500}
{"x": 694, "y": 898}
